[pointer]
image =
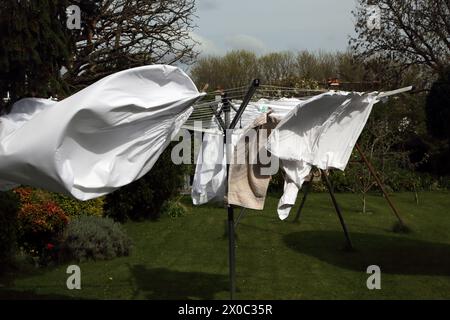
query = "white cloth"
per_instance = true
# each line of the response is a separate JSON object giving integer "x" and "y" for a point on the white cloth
{"x": 210, "y": 171}
{"x": 99, "y": 139}
{"x": 295, "y": 174}
{"x": 209, "y": 183}
{"x": 279, "y": 109}
{"x": 321, "y": 131}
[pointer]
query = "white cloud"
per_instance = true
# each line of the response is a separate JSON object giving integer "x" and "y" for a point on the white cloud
{"x": 245, "y": 42}
{"x": 205, "y": 46}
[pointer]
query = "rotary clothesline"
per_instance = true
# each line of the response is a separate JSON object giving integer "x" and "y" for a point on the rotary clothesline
{"x": 365, "y": 101}
{"x": 340, "y": 154}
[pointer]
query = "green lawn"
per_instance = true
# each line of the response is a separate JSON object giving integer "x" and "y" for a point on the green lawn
{"x": 187, "y": 257}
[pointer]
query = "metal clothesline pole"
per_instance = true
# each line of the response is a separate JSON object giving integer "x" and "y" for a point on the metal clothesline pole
{"x": 240, "y": 216}
{"x": 230, "y": 210}
{"x": 338, "y": 210}
{"x": 306, "y": 189}
{"x": 380, "y": 184}
{"x": 231, "y": 236}
{"x": 329, "y": 187}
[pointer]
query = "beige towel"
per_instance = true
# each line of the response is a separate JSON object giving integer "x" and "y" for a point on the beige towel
{"x": 247, "y": 187}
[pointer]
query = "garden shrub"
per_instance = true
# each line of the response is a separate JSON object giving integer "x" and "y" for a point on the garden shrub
{"x": 444, "y": 182}
{"x": 9, "y": 205}
{"x": 173, "y": 209}
{"x": 73, "y": 207}
{"x": 144, "y": 198}
{"x": 92, "y": 237}
{"x": 40, "y": 219}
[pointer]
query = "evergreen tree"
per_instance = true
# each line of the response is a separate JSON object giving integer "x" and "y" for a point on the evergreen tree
{"x": 34, "y": 45}
{"x": 438, "y": 108}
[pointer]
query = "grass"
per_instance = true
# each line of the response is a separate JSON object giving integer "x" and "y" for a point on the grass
{"x": 186, "y": 257}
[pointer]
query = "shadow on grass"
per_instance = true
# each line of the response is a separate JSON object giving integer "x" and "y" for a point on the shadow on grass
{"x": 9, "y": 294}
{"x": 394, "y": 255}
{"x": 167, "y": 284}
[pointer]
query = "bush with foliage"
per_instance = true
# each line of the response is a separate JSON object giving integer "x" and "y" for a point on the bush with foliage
{"x": 173, "y": 209}
{"x": 9, "y": 205}
{"x": 73, "y": 207}
{"x": 144, "y": 198}
{"x": 40, "y": 219}
{"x": 91, "y": 237}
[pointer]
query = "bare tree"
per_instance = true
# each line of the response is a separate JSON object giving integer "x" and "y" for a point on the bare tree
{"x": 119, "y": 34}
{"x": 235, "y": 69}
{"x": 276, "y": 66}
{"x": 412, "y": 32}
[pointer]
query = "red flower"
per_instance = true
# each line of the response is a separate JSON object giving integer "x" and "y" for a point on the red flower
{"x": 50, "y": 246}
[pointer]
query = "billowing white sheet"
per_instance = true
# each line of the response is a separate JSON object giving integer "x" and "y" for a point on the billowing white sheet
{"x": 99, "y": 139}
{"x": 321, "y": 131}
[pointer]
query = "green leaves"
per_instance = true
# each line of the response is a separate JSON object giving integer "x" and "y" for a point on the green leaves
{"x": 34, "y": 45}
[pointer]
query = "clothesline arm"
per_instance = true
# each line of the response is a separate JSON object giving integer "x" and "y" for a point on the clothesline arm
{"x": 394, "y": 92}
{"x": 245, "y": 101}
{"x": 218, "y": 118}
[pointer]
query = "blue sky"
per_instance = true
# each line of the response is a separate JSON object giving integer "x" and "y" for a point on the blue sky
{"x": 273, "y": 25}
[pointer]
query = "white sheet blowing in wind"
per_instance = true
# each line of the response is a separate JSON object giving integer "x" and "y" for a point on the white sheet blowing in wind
{"x": 99, "y": 139}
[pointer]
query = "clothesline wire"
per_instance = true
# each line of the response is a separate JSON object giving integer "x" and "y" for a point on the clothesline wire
{"x": 205, "y": 110}
{"x": 234, "y": 92}
{"x": 266, "y": 92}
{"x": 229, "y": 89}
{"x": 275, "y": 92}
{"x": 233, "y": 97}
{"x": 208, "y": 103}
{"x": 292, "y": 88}
{"x": 275, "y": 87}
{"x": 278, "y": 91}
{"x": 219, "y": 92}
{"x": 209, "y": 117}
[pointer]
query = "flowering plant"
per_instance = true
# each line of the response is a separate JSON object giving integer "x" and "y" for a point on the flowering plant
{"x": 41, "y": 220}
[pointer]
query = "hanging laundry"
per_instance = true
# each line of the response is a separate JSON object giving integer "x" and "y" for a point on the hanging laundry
{"x": 210, "y": 171}
{"x": 209, "y": 183}
{"x": 248, "y": 183}
{"x": 99, "y": 139}
{"x": 295, "y": 173}
{"x": 321, "y": 132}
{"x": 279, "y": 108}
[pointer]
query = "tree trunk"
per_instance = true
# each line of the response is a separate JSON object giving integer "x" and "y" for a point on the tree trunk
{"x": 416, "y": 194}
{"x": 364, "y": 203}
